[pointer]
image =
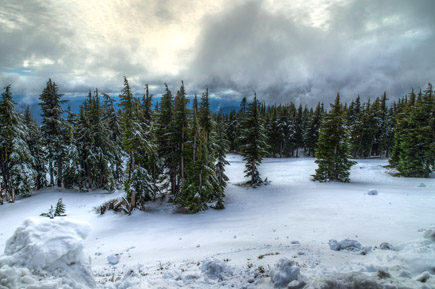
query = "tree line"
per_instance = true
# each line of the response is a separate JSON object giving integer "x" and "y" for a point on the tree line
{"x": 178, "y": 149}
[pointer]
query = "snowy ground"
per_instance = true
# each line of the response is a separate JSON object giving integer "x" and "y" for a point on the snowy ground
{"x": 292, "y": 218}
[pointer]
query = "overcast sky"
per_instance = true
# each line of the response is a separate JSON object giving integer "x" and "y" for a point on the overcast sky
{"x": 300, "y": 50}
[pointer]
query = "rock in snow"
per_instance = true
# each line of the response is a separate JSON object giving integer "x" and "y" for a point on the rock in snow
{"x": 346, "y": 244}
{"x": 372, "y": 192}
{"x": 422, "y": 185}
{"x": 47, "y": 253}
{"x": 284, "y": 272}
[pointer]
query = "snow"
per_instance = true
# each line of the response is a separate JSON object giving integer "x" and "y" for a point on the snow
{"x": 113, "y": 259}
{"x": 284, "y": 272}
{"x": 52, "y": 248}
{"x": 158, "y": 248}
{"x": 372, "y": 192}
{"x": 347, "y": 244}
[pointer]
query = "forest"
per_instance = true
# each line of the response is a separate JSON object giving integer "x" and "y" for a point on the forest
{"x": 178, "y": 149}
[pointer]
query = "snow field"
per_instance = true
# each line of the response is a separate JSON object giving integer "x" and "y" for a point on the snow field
{"x": 292, "y": 218}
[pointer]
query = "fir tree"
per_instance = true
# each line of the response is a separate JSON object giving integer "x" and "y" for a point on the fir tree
{"x": 17, "y": 163}
{"x": 60, "y": 209}
{"x": 34, "y": 142}
{"x": 416, "y": 139}
{"x": 333, "y": 147}
{"x": 52, "y": 129}
{"x": 140, "y": 186}
{"x": 221, "y": 148}
{"x": 254, "y": 146}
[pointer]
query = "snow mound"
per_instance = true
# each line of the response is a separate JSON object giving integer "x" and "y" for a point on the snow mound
{"x": 386, "y": 246}
{"x": 113, "y": 259}
{"x": 216, "y": 269}
{"x": 422, "y": 185}
{"x": 346, "y": 244}
{"x": 50, "y": 250}
{"x": 372, "y": 192}
{"x": 284, "y": 272}
{"x": 430, "y": 234}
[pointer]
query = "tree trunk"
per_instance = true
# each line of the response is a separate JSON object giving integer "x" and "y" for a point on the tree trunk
{"x": 182, "y": 160}
{"x": 59, "y": 171}
{"x": 13, "y": 196}
{"x": 51, "y": 174}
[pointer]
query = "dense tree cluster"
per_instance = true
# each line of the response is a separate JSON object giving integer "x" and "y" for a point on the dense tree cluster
{"x": 178, "y": 148}
{"x": 169, "y": 150}
{"x": 402, "y": 131}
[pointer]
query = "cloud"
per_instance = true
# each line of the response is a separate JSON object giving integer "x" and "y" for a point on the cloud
{"x": 364, "y": 48}
{"x": 300, "y": 51}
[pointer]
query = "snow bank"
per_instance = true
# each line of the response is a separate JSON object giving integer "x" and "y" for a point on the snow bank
{"x": 284, "y": 272}
{"x": 47, "y": 253}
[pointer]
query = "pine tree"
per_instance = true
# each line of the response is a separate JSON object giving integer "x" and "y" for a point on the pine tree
{"x": 254, "y": 142}
{"x": 60, "y": 209}
{"x": 52, "y": 129}
{"x": 221, "y": 148}
{"x": 16, "y": 161}
{"x": 312, "y": 134}
{"x": 140, "y": 186}
{"x": 34, "y": 142}
{"x": 179, "y": 136}
{"x": 166, "y": 149}
{"x": 333, "y": 149}
{"x": 112, "y": 123}
{"x": 416, "y": 137}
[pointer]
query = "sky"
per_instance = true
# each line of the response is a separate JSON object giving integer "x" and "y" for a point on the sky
{"x": 302, "y": 51}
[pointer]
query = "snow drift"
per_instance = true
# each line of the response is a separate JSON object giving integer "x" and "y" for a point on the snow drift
{"x": 47, "y": 254}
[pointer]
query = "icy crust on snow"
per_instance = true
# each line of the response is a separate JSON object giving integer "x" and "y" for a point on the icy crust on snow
{"x": 47, "y": 253}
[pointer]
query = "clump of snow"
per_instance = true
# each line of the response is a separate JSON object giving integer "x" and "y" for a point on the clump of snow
{"x": 216, "y": 269}
{"x": 351, "y": 280}
{"x": 346, "y": 244}
{"x": 372, "y": 192}
{"x": 113, "y": 259}
{"x": 422, "y": 185}
{"x": 284, "y": 272}
{"x": 430, "y": 234}
{"x": 51, "y": 248}
{"x": 365, "y": 250}
{"x": 386, "y": 246}
{"x": 423, "y": 277}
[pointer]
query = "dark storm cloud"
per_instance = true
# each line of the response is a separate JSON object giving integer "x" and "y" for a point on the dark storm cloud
{"x": 367, "y": 47}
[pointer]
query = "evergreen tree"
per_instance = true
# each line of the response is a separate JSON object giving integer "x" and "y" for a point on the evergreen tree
{"x": 60, "y": 209}
{"x": 52, "y": 129}
{"x": 113, "y": 125}
{"x": 416, "y": 158}
{"x": 254, "y": 146}
{"x": 333, "y": 147}
{"x": 166, "y": 149}
{"x": 140, "y": 186}
{"x": 221, "y": 148}
{"x": 34, "y": 142}
{"x": 313, "y": 130}
{"x": 16, "y": 161}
